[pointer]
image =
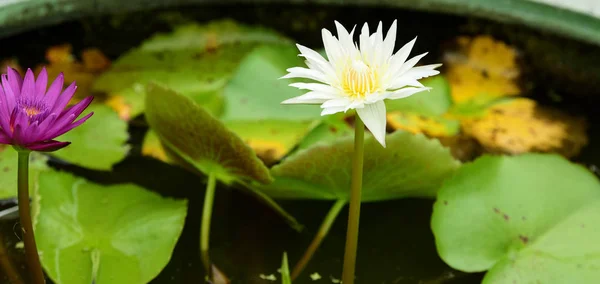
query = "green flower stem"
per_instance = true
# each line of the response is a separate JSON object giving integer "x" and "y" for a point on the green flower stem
{"x": 321, "y": 234}
{"x": 355, "y": 196}
{"x": 209, "y": 199}
{"x": 31, "y": 254}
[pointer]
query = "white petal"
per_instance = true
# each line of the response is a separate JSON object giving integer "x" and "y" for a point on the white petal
{"x": 423, "y": 71}
{"x": 345, "y": 38}
{"x": 315, "y": 60}
{"x": 404, "y": 81}
{"x": 409, "y": 64}
{"x": 310, "y": 98}
{"x": 332, "y": 47}
{"x": 332, "y": 110}
{"x": 373, "y": 115}
{"x": 299, "y": 72}
{"x": 321, "y": 88}
{"x": 338, "y": 102}
{"x": 366, "y": 48}
{"x": 405, "y": 92}
{"x": 398, "y": 59}
{"x": 389, "y": 42}
{"x": 378, "y": 46}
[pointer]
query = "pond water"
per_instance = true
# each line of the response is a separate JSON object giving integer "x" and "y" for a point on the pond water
{"x": 247, "y": 238}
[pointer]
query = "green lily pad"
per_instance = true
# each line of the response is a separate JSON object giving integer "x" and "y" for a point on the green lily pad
{"x": 194, "y": 60}
{"x": 8, "y": 170}
{"x": 90, "y": 233}
{"x": 270, "y": 139}
{"x": 411, "y": 165}
{"x": 97, "y": 144}
{"x": 528, "y": 219}
{"x": 430, "y": 103}
{"x": 255, "y": 93}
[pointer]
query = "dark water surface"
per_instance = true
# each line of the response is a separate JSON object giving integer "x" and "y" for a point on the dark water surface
{"x": 247, "y": 239}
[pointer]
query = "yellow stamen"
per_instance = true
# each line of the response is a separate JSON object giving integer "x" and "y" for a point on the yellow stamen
{"x": 31, "y": 111}
{"x": 359, "y": 80}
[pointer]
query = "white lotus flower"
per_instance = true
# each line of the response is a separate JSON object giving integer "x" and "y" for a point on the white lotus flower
{"x": 360, "y": 76}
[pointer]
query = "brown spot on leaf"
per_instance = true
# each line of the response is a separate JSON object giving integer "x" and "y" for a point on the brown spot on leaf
{"x": 445, "y": 202}
{"x": 6, "y": 169}
{"x": 333, "y": 129}
{"x": 505, "y": 216}
{"x": 524, "y": 239}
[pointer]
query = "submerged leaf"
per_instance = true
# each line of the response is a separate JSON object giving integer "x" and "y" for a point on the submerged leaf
{"x": 529, "y": 218}
{"x": 62, "y": 60}
{"x": 432, "y": 126}
{"x": 270, "y": 139}
{"x": 193, "y": 60}
{"x": 411, "y": 165}
{"x": 97, "y": 144}
{"x": 482, "y": 70}
{"x": 152, "y": 147}
{"x": 8, "y": 170}
{"x": 520, "y": 126}
{"x": 89, "y": 233}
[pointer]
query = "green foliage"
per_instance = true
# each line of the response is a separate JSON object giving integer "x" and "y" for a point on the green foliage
{"x": 97, "y": 144}
{"x": 411, "y": 165}
{"x": 254, "y": 92}
{"x": 89, "y": 233}
{"x": 196, "y": 140}
{"x": 527, "y": 219}
{"x": 194, "y": 60}
{"x": 434, "y": 102}
{"x": 285, "y": 270}
{"x": 200, "y": 139}
{"x": 8, "y": 170}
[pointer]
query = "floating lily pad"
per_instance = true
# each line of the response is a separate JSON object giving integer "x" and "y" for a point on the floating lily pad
{"x": 89, "y": 233}
{"x": 97, "y": 144}
{"x": 194, "y": 60}
{"x": 8, "y": 170}
{"x": 434, "y": 102}
{"x": 433, "y": 126}
{"x": 270, "y": 139}
{"x": 196, "y": 140}
{"x": 528, "y": 219}
{"x": 411, "y": 165}
{"x": 254, "y": 93}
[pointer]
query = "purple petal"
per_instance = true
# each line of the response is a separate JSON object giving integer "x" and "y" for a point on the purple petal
{"x": 4, "y": 139}
{"x": 4, "y": 116}
{"x": 15, "y": 81}
{"x": 21, "y": 118}
{"x": 54, "y": 90}
{"x": 47, "y": 146}
{"x": 66, "y": 128}
{"x": 48, "y": 122}
{"x": 28, "y": 88}
{"x": 30, "y": 133}
{"x": 64, "y": 98}
{"x": 9, "y": 95}
{"x": 41, "y": 83}
{"x": 78, "y": 108}
{"x": 18, "y": 135}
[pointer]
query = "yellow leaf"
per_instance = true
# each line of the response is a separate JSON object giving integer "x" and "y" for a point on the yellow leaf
{"x": 120, "y": 105}
{"x": 268, "y": 151}
{"x": 482, "y": 69}
{"x": 430, "y": 126}
{"x": 152, "y": 147}
{"x": 520, "y": 126}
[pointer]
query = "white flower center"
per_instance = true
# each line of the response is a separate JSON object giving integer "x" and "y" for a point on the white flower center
{"x": 359, "y": 80}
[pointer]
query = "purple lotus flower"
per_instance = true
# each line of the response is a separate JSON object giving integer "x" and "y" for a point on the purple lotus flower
{"x": 31, "y": 116}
